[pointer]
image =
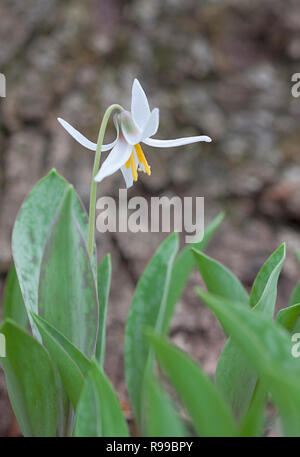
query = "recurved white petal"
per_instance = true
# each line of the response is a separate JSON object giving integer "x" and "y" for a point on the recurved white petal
{"x": 152, "y": 124}
{"x": 130, "y": 130}
{"x": 77, "y": 135}
{"x": 115, "y": 159}
{"x": 127, "y": 175}
{"x": 177, "y": 142}
{"x": 139, "y": 105}
{"x": 83, "y": 140}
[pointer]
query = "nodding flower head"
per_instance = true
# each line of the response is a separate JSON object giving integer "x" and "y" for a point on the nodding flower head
{"x": 132, "y": 128}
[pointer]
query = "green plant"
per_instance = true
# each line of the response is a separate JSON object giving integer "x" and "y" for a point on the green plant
{"x": 55, "y": 378}
{"x": 55, "y": 308}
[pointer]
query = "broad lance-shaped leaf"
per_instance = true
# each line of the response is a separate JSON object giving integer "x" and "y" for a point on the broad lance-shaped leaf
{"x": 162, "y": 419}
{"x": 67, "y": 288}
{"x": 98, "y": 412}
{"x": 267, "y": 347}
{"x": 295, "y": 297}
{"x": 294, "y": 300}
{"x": 264, "y": 291}
{"x": 30, "y": 381}
{"x": 72, "y": 365}
{"x": 209, "y": 412}
{"x": 147, "y": 309}
{"x": 31, "y": 229}
{"x": 219, "y": 280}
{"x": 182, "y": 268}
{"x": 288, "y": 317}
{"x": 253, "y": 421}
{"x": 234, "y": 378}
{"x": 104, "y": 279}
{"x": 13, "y": 303}
{"x": 232, "y": 373}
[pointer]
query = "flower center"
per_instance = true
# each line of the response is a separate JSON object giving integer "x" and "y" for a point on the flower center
{"x": 142, "y": 162}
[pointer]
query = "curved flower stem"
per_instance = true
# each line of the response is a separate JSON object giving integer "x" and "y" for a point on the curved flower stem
{"x": 93, "y": 192}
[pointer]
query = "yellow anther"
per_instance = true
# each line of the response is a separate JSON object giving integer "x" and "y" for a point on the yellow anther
{"x": 142, "y": 158}
{"x": 133, "y": 167}
{"x": 127, "y": 164}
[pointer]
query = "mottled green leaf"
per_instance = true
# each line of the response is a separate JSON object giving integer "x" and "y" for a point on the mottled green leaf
{"x": 253, "y": 421}
{"x": 295, "y": 297}
{"x": 209, "y": 412}
{"x": 219, "y": 280}
{"x": 67, "y": 288}
{"x": 13, "y": 303}
{"x": 162, "y": 419}
{"x": 182, "y": 268}
{"x": 147, "y": 309}
{"x": 267, "y": 347}
{"x": 31, "y": 229}
{"x": 30, "y": 381}
{"x": 72, "y": 365}
{"x": 288, "y": 317}
{"x": 104, "y": 279}
{"x": 264, "y": 291}
{"x": 99, "y": 412}
{"x": 234, "y": 378}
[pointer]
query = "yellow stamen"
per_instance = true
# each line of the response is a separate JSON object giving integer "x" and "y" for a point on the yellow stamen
{"x": 127, "y": 164}
{"x": 133, "y": 167}
{"x": 142, "y": 158}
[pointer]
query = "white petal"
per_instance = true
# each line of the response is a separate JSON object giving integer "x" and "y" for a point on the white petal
{"x": 130, "y": 130}
{"x": 176, "y": 142}
{"x": 77, "y": 135}
{"x": 139, "y": 105}
{"x": 83, "y": 140}
{"x": 115, "y": 159}
{"x": 152, "y": 124}
{"x": 127, "y": 175}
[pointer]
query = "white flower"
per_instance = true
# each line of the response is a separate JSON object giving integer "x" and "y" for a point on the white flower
{"x": 133, "y": 128}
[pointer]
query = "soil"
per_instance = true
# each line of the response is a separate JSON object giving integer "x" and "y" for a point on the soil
{"x": 227, "y": 74}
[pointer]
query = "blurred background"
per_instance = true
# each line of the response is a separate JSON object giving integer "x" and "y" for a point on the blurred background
{"x": 221, "y": 68}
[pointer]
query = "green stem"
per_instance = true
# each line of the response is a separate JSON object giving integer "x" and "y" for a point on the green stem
{"x": 93, "y": 192}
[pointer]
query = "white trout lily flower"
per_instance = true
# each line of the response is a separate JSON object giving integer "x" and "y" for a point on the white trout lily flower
{"x": 133, "y": 128}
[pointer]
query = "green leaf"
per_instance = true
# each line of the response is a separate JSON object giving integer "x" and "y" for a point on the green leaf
{"x": 264, "y": 291}
{"x": 210, "y": 414}
{"x": 72, "y": 365}
{"x": 67, "y": 288}
{"x": 13, "y": 303}
{"x": 99, "y": 412}
{"x": 295, "y": 297}
{"x": 219, "y": 280}
{"x": 162, "y": 417}
{"x": 147, "y": 309}
{"x": 267, "y": 347}
{"x": 288, "y": 317}
{"x": 182, "y": 268}
{"x": 104, "y": 279}
{"x": 31, "y": 229}
{"x": 30, "y": 381}
{"x": 234, "y": 378}
{"x": 253, "y": 421}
